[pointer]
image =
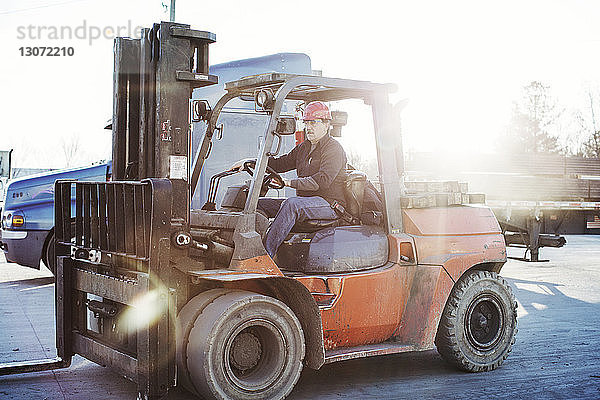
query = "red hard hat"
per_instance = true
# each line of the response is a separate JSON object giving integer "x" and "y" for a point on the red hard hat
{"x": 316, "y": 110}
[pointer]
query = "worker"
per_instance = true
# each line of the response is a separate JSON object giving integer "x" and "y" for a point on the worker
{"x": 320, "y": 163}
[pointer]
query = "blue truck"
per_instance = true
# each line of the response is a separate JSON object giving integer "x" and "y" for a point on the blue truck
{"x": 27, "y": 234}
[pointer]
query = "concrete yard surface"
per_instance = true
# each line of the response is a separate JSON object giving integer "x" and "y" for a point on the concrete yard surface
{"x": 556, "y": 355}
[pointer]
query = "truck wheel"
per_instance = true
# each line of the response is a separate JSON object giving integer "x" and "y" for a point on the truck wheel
{"x": 479, "y": 323}
{"x": 49, "y": 252}
{"x": 50, "y": 255}
{"x": 244, "y": 346}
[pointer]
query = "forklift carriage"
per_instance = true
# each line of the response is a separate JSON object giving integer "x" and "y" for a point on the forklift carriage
{"x": 167, "y": 295}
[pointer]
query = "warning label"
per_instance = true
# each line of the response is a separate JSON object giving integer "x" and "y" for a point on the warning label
{"x": 178, "y": 167}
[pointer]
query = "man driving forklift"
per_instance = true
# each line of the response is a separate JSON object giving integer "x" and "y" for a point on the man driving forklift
{"x": 320, "y": 163}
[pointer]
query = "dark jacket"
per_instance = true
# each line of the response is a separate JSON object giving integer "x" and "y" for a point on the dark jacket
{"x": 321, "y": 172}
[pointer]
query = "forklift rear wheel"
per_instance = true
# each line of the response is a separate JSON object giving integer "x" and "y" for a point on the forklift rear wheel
{"x": 479, "y": 323}
{"x": 244, "y": 346}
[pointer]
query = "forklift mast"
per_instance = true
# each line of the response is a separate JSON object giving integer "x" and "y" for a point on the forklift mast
{"x": 152, "y": 84}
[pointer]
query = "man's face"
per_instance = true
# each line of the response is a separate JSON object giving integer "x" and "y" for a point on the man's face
{"x": 316, "y": 130}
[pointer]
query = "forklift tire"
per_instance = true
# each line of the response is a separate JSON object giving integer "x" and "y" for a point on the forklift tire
{"x": 244, "y": 345}
{"x": 185, "y": 322}
{"x": 478, "y": 327}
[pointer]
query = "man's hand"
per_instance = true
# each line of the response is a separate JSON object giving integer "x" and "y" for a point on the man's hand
{"x": 238, "y": 165}
{"x": 287, "y": 182}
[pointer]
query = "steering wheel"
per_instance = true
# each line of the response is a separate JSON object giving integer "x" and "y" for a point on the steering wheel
{"x": 272, "y": 179}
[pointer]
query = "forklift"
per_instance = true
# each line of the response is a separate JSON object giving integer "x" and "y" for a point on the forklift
{"x": 168, "y": 295}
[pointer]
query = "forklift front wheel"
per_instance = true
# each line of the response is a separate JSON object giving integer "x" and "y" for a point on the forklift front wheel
{"x": 478, "y": 326}
{"x": 245, "y": 346}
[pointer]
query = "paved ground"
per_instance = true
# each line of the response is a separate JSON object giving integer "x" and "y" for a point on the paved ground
{"x": 557, "y": 354}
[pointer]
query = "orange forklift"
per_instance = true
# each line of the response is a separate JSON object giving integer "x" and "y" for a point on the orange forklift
{"x": 168, "y": 295}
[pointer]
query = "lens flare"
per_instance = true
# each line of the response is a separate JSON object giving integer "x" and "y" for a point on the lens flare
{"x": 145, "y": 311}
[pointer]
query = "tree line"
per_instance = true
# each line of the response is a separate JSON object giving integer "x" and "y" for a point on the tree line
{"x": 538, "y": 124}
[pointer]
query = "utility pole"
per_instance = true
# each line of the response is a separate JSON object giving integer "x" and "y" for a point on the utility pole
{"x": 172, "y": 11}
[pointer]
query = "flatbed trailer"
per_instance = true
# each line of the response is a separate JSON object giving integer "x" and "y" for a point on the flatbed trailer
{"x": 521, "y": 222}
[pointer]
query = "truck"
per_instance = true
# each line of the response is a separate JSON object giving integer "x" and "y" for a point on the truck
{"x": 30, "y": 200}
{"x": 167, "y": 294}
{"x": 27, "y": 234}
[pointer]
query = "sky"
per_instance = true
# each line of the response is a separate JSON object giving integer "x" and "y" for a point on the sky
{"x": 460, "y": 64}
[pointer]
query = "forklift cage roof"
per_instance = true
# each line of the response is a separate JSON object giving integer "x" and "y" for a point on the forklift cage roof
{"x": 312, "y": 87}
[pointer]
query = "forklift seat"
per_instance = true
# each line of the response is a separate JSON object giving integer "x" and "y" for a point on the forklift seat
{"x": 354, "y": 195}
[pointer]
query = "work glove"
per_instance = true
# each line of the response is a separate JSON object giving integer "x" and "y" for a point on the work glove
{"x": 238, "y": 165}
